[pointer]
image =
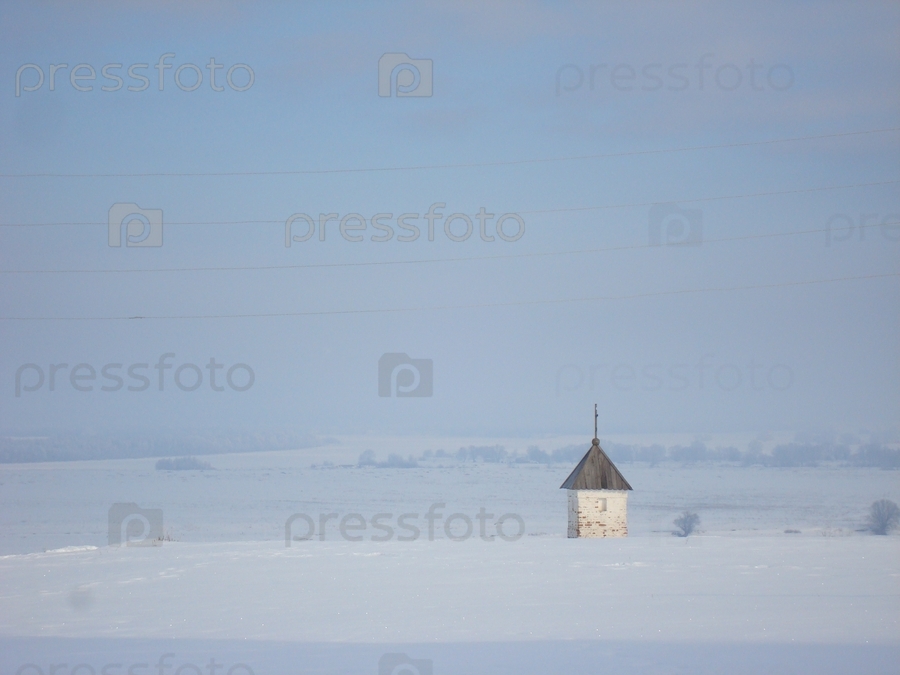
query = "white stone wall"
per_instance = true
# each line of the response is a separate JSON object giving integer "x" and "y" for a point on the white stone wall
{"x": 598, "y": 513}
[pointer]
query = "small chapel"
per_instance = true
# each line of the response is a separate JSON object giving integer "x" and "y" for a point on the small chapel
{"x": 598, "y": 495}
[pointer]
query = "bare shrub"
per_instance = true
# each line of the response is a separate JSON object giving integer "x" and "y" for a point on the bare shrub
{"x": 686, "y": 523}
{"x": 166, "y": 536}
{"x": 884, "y": 516}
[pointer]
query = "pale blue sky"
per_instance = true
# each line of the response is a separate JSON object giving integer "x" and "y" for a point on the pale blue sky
{"x": 818, "y": 357}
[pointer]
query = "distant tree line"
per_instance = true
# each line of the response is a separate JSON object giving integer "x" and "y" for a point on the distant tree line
{"x": 394, "y": 461}
{"x": 786, "y": 455}
{"x": 66, "y": 448}
{"x": 182, "y": 464}
{"x": 105, "y": 446}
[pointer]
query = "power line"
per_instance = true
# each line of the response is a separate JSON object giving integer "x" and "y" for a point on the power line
{"x": 488, "y": 305}
{"x": 424, "y": 167}
{"x": 525, "y": 213}
{"x": 712, "y": 199}
{"x": 423, "y": 261}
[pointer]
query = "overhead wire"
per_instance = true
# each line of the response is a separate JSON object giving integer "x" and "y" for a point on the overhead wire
{"x": 429, "y": 261}
{"x": 461, "y": 165}
{"x": 485, "y": 305}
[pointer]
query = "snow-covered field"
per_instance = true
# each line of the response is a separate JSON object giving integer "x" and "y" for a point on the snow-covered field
{"x": 742, "y": 596}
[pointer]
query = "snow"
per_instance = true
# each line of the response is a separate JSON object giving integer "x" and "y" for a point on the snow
{"x": 742, "y": 596}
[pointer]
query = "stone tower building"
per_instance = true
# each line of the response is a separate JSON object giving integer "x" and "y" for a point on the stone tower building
{"x": 598, "y": 495}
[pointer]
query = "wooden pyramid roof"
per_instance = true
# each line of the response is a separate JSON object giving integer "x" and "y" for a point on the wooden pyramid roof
{"x": 595, "y": 472}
